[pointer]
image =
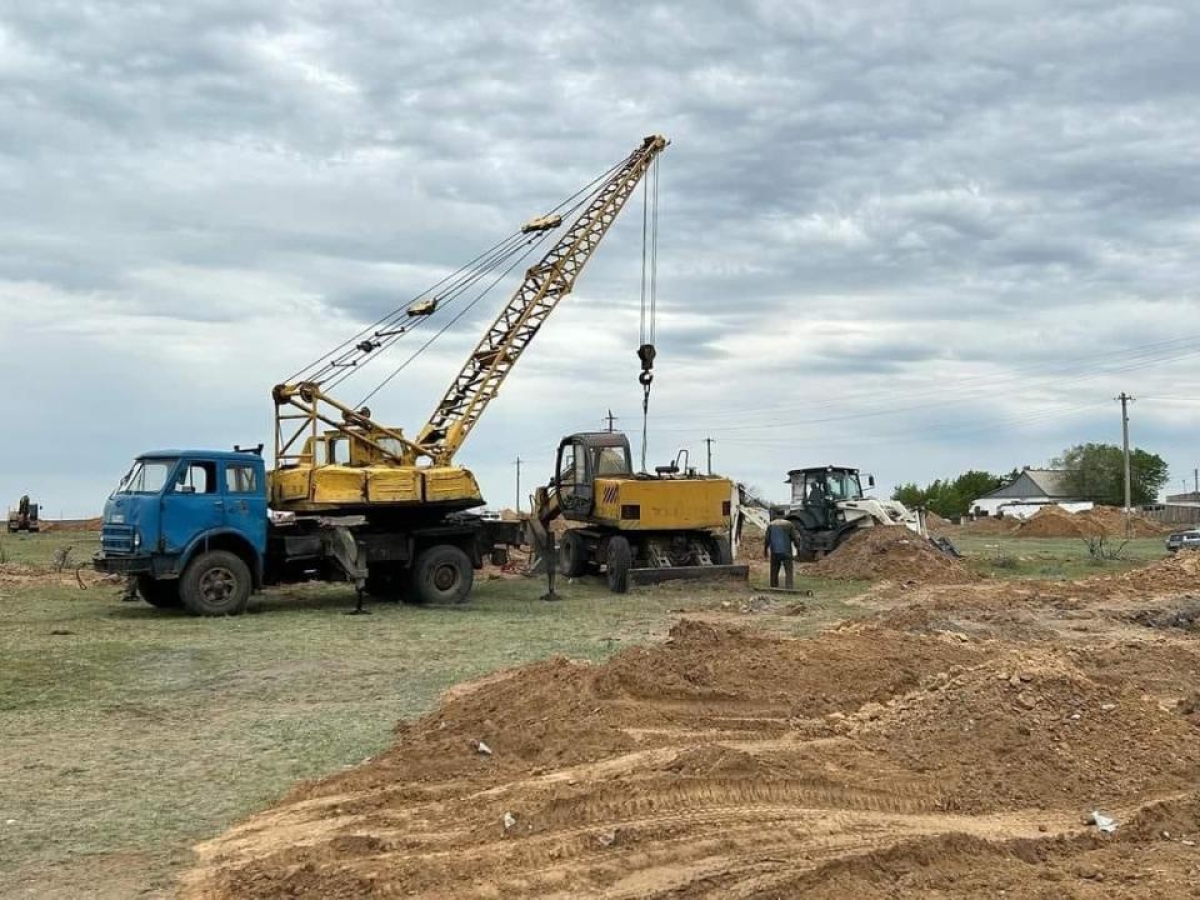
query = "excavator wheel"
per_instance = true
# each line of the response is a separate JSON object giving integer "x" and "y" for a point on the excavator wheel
{"x": 618, "y": 560}
{"x": 443, "y": 574}
{"x": 572, "y": 555}
{"x": 719, "y": 550}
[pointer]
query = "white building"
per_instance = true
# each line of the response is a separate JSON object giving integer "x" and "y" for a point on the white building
{"x": 1033, "y": 489}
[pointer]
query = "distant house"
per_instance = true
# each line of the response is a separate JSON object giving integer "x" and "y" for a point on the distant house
{"x": 1032, "y": 489}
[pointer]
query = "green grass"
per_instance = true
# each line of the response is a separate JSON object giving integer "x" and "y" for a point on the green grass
{"x": 1060, "y": 558}
{"x": 130, "y": 733}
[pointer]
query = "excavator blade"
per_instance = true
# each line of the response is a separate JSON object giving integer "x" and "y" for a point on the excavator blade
{"x": 656, "y": 575}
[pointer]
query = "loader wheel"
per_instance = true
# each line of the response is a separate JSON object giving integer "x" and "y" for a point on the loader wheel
{"x": 216, "y": 583}
{"x": 572, "y": 555}
{"x": 159, "y": 593}
{"x": 443, "y": 574}
{"x": 618, "y": 560}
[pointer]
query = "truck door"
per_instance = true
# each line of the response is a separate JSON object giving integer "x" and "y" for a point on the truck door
{"x": 246, "y": 503}
{"x": 192, "y": 504}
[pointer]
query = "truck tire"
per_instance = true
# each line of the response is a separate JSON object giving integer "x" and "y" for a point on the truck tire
{"x": 160, "y": 593}
{"x": 443, "y": 574}
{"x": 618, "y": 561}
{"x": 572, "y": 555}
{"x": 216, "y": 583}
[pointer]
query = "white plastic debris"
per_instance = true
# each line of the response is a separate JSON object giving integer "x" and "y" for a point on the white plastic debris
{"x": 483, "y": 748}
{"x": 509, "y": 821}
{"x": 1103, "y": 822}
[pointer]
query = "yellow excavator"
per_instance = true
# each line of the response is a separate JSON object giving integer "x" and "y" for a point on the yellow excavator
{"x": 639, "y": 528}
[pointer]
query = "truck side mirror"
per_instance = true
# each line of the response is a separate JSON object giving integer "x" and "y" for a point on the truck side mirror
{"x": 870, "y": 481}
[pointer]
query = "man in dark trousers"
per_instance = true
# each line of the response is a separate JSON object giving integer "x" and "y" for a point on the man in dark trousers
{"x": 777, "y": 546}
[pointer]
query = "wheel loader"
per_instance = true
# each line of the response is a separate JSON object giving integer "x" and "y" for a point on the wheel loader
{"x": 828, "y": 506}
{"x": 635, "y": 528}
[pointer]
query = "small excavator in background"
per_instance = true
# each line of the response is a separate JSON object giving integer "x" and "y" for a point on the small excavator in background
{"x": 24, "y": 517}
{"x": 828, "y": 506}
{"x": 638, "y": 528}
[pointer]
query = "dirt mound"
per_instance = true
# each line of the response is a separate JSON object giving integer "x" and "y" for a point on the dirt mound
{"x": 1172, "y": 574}
{"x": 894, "y": 554}
{"x": 1032, "y": 728}
{"x": 990, "y": 526}
{"x": 72, "y": 525}
{"x": 1101, "y": 521}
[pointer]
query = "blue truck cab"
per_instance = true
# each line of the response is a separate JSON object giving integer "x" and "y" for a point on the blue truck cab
{"x": 191, "y": 527}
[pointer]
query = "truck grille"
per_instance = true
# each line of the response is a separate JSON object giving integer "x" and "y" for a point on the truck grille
{"x": 116, "y": 539}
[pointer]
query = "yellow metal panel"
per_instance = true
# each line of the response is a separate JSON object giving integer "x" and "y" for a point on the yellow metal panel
{"x": 450, "y": 484}
{"x": 664, "y": 504}
{"x": 338, "y": 484}
{"x": 393, "y": 484}
{"x": 288, "y": 485}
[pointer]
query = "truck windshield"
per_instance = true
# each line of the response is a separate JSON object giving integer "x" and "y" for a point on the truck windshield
{"x": 148, "y": 476}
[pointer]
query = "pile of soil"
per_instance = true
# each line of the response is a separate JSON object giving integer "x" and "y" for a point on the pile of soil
{"x": 893, "y": 554}
{"x": 990, "y": 527}
{"x": 1102, "y": 521}
{"x": 92, "y": 524}
{"x": 1172, "y": 574}
{"x": 1030, "y": 728}
{"x": 726, "y": 762}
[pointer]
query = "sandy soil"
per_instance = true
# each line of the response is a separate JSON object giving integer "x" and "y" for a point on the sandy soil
{"x": 950, "y": 746}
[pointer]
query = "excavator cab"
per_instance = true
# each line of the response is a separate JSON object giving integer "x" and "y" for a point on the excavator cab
{"x": 584, "y": 457}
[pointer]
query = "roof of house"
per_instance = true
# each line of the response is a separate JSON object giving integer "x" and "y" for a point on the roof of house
{"x": 1049, "y": 483}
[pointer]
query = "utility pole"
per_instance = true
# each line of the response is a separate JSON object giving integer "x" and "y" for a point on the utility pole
{"x": 1125, "y": 401}
{"x": 709, "y": 442}
{"x": 518, "y": 465}
{"x": 1196, "y": 475}
{"x": 610, "y": 418}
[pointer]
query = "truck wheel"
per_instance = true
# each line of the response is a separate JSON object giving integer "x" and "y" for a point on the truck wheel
{"x": 443, "y": 574}
{"x": 718, "y": 550}
{"x": 618, "y": 560}
{"x": 216, "y": 583}
{"x": 572, "y": 555}
{"x": 160, "y": 593}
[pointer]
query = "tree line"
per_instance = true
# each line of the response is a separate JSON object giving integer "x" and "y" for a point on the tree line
{"x": 1091, "y": 472}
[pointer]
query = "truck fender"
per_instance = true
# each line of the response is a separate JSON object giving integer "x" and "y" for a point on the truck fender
{"x": 224, "y": 539}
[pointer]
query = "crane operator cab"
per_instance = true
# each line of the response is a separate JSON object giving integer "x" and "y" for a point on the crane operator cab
{"x": 818, "y": 491}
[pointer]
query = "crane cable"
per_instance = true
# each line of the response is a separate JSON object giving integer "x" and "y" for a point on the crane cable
{"x": 649, "y": 298}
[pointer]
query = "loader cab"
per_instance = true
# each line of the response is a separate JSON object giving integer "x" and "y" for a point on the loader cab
{"x": 584, "y": 457}
{"x": 817, "y": 491}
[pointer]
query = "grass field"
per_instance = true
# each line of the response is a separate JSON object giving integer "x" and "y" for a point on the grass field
{"x": 131, "y": 733}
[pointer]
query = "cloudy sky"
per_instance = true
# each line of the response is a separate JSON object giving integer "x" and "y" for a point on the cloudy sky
{"x": 917, "y": 238}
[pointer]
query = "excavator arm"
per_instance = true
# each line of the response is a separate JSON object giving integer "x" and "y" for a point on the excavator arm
{"x": 545, "y": 284}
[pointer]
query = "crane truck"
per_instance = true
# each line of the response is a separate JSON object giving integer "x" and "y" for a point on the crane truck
{"x": 349, "y": 498}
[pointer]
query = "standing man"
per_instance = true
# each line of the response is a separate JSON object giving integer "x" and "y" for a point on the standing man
{"x": 777, "y": 545}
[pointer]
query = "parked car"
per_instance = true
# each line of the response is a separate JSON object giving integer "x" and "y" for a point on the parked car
{"x": 1184, "y": 540}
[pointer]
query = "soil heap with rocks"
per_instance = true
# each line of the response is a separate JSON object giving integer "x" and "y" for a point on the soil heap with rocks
{"x": 1102, "y": 521}
{"x": 893, "y": 554}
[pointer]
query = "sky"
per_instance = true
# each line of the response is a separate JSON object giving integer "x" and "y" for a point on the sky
{"x": 917, "y": 238}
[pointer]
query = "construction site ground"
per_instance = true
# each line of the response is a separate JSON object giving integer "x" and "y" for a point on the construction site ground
{"x": 886, "y": 738}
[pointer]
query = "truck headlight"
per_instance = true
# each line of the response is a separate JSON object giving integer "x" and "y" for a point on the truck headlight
{"x": 137, "y": 540}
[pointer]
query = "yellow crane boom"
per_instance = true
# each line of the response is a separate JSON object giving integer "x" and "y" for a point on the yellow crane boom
{"x": 359, "y": 465}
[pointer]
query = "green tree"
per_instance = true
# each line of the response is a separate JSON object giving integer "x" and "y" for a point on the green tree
{"x": 1096, "y": 472}
{"x": 948, "y": 497}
